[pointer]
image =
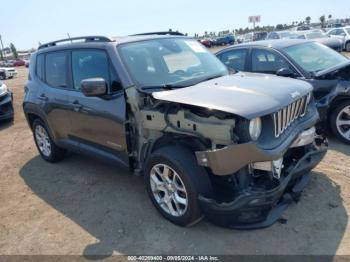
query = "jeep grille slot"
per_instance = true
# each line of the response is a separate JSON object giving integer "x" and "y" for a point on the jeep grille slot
{"x": 287, "y": 115}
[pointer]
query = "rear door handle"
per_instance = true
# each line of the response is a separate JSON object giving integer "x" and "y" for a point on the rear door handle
{"x": 43, "y": 97}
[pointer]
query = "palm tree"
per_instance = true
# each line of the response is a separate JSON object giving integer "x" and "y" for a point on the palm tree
{"x": 308, "y": 20}
{"x": 322, "y": 20}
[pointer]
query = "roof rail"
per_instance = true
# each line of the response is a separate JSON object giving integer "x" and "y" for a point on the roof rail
{"x": 160, "y": 33}
{"x": 86, "y": 38}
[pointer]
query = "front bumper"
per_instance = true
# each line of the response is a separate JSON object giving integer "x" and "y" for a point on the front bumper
{"x": 252, "y": 209}
{"x": 232, "y": 158}
{"x": 11, "y": 74}
{"x": 6, "y": 106}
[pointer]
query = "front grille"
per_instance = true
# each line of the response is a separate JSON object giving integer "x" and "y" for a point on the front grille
{"x": 287, "y": 115}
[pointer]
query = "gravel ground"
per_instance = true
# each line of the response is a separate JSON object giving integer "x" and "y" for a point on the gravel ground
{"x": 83, "y": 206}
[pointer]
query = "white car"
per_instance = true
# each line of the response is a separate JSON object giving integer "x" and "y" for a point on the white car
{"x": 7, "y": 72}
{"x": 343, "y": 34}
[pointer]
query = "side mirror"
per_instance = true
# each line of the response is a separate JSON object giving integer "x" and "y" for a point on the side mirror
{"x": 94, "y": 86}
{"x": 285, "y": 72}
{"x": 343, "y": 34}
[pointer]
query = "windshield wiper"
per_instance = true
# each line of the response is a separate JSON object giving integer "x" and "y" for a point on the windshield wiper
{"x": 165, "y": 86}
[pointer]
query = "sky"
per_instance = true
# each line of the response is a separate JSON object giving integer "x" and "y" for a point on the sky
{"x": 27, "y": 22}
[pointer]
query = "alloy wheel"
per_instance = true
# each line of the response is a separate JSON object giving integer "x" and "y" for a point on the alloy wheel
{"x": 43, "y": 140}
{"x": 168, "y": 190}
{"x": 343, "y": 122}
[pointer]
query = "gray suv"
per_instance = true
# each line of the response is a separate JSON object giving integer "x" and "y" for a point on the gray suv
{"x": 236, "y": 148}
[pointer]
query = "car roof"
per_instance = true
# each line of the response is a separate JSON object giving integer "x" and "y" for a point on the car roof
{"x": 117, "y": 40}
{"x": 276, "y": 44}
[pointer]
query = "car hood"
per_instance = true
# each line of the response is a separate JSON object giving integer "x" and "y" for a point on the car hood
{"x": 329, "y": 41}
{"x": 245, "y": 94}
{"x": 332, "y": 69}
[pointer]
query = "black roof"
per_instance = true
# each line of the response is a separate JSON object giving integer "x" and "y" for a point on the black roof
{"x": 276, "y": 44}
{"x": 102, "y": 39}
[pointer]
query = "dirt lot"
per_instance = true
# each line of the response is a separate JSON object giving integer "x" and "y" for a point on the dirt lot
{"x": 83, "y": 206}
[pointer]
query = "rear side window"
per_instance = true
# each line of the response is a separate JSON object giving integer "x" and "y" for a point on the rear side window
{"x": 40, "y": 66}
{"x": 235, "y": 59}
{"x": 56, "y": 69}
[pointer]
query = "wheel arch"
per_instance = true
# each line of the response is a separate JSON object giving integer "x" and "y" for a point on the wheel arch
{"x": 336, "y": 101}
{"x": 32, "y": 114}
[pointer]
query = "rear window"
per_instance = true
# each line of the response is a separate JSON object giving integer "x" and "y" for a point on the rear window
{"x": 56, "y": 69}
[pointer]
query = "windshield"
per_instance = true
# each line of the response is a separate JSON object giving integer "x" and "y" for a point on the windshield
{"x": 314, "y": 35}
{"x": 175, "y": 62}
{"x": 314, "y": 57}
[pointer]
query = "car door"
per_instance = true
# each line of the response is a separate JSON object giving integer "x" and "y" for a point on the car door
{"x": 338, "y": 33}
{"x": 268, "y": 61}
{"x": 235, "y": 59}
{"x": 51, "y": 71}
{"x": 98, "y": 123}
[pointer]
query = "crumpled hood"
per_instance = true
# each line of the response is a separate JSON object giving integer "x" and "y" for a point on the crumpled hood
{"x": 332, "y": 69}
{"x": 245, "y": 94}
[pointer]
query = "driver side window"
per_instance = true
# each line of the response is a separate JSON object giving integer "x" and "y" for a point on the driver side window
{"x": 267, "y": 62}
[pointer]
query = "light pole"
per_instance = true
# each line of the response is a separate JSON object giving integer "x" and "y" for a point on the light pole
{"x": 2, "y": 48}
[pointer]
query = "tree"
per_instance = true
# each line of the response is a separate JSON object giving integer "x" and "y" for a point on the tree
{"x": 1, "y": 56}
{"x": 322, "y": 20}
{"x": 279, "y": 27}
{"x": 308, "y": 20}
{"x": 329, "y": 16}
{"x": 14, "y": 51}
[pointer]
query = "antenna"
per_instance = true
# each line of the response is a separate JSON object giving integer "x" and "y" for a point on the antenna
{"x": 69, "y": 37}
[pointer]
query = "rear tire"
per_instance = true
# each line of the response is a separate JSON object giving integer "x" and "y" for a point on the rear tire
{"x": 340, "y": 121}
{"x": 176, "y": 201}
{"x": 48, "y": 150}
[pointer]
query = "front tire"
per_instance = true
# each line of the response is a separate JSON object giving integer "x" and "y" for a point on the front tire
{"x": 347, "y": 46}
{"x": 174, "y": 181}
{"x": 48, "y": 150}
{"x": 340, "y": 121}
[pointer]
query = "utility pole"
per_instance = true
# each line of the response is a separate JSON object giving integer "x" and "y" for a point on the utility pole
{"x": 2, "y": 48}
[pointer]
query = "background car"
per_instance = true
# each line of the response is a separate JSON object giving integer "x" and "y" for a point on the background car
{"x": 302, "y": 28}
{"x": 225, "y": 40}
{"x": 6, "y": 104}
{"x": 19, "y": 62}
{"x": 8, "y": 63}
{"x": 319, "y": 36}
{"x": 327, "y": 71}
{"x": 26, "y": 61}
{"x": 206, "y": 42}
{"x": 343, "y": 34}
{"x": 281, "y": 35}
{"x": 7, "y": 72}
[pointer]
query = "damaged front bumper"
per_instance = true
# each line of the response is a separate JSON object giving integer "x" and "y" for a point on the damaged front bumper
{"x": 252, "y": 209}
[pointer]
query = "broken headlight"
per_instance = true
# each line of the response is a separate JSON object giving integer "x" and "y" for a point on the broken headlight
{"x": 255, "y": 128}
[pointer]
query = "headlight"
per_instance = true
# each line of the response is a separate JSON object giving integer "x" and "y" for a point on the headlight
{"x": 3, "y": 89}
{"x": 255, "y": 128}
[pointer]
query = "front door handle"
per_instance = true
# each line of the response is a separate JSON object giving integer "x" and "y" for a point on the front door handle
{"x": 77, "y": 106}
{"x": 43, "y": 97}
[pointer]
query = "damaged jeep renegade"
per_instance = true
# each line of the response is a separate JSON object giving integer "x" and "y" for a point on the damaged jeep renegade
{"x": 236, "y": 148}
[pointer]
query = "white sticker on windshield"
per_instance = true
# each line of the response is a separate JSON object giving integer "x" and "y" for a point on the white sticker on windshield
{"x": 195, "y": 46}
